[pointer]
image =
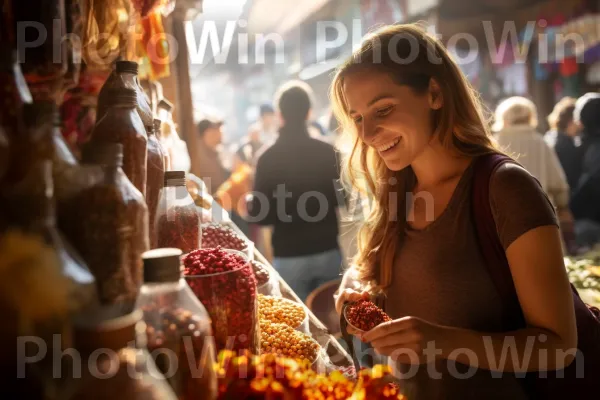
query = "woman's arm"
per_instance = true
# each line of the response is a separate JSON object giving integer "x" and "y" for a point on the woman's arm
{"x": 536, "y": 264}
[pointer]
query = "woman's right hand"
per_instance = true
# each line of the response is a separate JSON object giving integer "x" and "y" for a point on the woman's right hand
{"x": 349, "y": 295}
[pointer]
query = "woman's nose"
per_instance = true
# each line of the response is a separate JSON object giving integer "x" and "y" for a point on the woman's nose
{"x": 368, "y": 130}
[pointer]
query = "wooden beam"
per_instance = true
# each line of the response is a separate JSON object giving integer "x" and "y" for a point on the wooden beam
{"x": 185, "y": 107}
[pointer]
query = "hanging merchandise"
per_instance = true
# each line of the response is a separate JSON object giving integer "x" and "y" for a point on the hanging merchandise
{"x": 155, "y": 176}
{"x": 117, "y": 363}
{"x": 178, "y": 222}
{"x": 105, "y": 31}
{"x": 41, "y": 63}
{"x": 14, "y": 92}
{"x": 153, "y": 48}
{"x": 125, "y": 75}
{"x": 107, "y": 222}
{"x": 30, "y": 207}
{"x": 122, "y": 124}
{"x": 178, "y": 327}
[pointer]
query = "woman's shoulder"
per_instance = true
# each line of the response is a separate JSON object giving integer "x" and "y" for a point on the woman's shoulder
{"x": 518, "y": 202}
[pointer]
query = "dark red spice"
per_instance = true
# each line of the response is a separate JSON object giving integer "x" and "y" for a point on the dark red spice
{"x": 225, "y": 284}
{"x": 181, "y": 231}
{"x": 365, "y": 315}
{"x": 155, "y": 178}
{"x": 184, "y": 334}
{"x": 214, "y": 235}
{"x": 122, "y": 124}
{"x": 261, "y": 273}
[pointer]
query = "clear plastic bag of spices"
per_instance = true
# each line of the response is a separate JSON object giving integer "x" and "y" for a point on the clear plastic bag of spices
{"x": 30, "y": 206}
{"x": 122, "y": 124}
{"x": 156, "y": 176}
{"x": 107, "y": 221}
{"x": 178, "y": 327}
{"x": 178, "y": 221}
{"x": 114, "y": 362}
{"x": 125, "y": 75}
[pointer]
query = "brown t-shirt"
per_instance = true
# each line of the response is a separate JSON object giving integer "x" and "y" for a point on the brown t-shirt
{"x": 440, "y": 276}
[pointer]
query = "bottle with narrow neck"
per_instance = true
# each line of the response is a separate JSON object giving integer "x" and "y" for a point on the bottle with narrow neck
{"x": 14, "y": 92}
{"x": 31, "y": 207}
{"x": 122, "y": 124}
{"x": 155, "y": 177}
{"x": 125, "y": 75}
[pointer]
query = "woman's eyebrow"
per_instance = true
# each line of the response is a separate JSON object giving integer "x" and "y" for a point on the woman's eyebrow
{"x": 375, "y": 100}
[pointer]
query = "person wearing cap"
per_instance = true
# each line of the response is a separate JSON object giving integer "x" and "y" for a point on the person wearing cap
{"x": 211, "y": 168}
{"x": 585, "y": 202}
{"x": 295, "y": 189}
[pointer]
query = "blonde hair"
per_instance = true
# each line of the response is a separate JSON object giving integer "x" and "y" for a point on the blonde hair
{"x": 459, "y": 125}
{"x": 515, "y": 111}
{"x": 562, "y": 114}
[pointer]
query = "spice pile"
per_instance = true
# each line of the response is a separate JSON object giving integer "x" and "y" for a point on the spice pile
{"x": 272, "y": 377}
{"x": 225, "y": 284}
{"x": 214, "y": 235}
{"x": 365, "y": 315}
{"x": 260, "y": 272}
{"x": 277, "y": 310}
{"x": 283, "y": 340}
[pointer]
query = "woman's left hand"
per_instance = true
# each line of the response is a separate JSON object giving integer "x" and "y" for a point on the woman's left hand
{"x": 406, "y": 339}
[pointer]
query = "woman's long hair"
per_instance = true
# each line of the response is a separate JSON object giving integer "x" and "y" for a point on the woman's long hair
{"x": 412, "y": 58}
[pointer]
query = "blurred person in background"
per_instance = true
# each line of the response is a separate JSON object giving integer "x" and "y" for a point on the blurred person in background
{"x": 586, "y": 196}
{"x": 564, "y": 138}
{"x": 211, "y": 167}
{"x": 516, "y": 121}
{"x": 298, "y": 176}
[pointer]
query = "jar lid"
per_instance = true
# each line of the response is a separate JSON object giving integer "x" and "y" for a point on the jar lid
{"x": 174, "y": 178}
{"x": 162, "y": 265}
{"x": 108, "y": 327}
{"x": 109, "y": 154}
{"x": 127, "y": 67}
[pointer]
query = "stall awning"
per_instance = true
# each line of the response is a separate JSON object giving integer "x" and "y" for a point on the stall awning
{"x": 281, "y": 16}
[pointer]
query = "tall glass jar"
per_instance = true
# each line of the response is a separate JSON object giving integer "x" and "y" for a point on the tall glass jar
{"x": 14, "y": 92}
{"x": 224, "y": 282}
{"x": 122, "y": 124}
{"x": 178, "y": 327}
{"x": 178, "y": 221}
{"x": 125, "y": 75}
{"x": 115, "y": 363}
{"x": 107, "y": 221}
{"x": 30, "y": 206}
{"x": 156, "y": 177}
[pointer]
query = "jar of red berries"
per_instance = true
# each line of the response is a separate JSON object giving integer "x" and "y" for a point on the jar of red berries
{"x": 224, "y": 282}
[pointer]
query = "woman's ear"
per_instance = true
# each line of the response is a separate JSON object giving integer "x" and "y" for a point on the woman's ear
{"x": 436, "y": 98}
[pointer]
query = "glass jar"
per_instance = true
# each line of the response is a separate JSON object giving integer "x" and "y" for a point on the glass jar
{"x": 115, "y": 363}
{"x": 122, "y": 124}
{"x": 155, "y": 177}
{"x": 30, "y": 206}
{"x": 178, "y": 223}
{"x": 125, "y": 75}
{"x": 14, "y": 92}
{"x": 178, "y": 327}
{"x": 224, "y": 282}
{"x": 107, "y": 221}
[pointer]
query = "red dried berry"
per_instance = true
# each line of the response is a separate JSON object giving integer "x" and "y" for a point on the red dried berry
{"x": 214, "y": 235}
{"x": 365, "y": 315}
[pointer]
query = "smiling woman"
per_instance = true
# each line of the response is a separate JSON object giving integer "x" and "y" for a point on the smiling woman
{"x": 419, "y": 133}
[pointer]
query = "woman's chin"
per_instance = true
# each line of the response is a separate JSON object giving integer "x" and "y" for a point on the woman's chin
{"x": 396, "y": 164}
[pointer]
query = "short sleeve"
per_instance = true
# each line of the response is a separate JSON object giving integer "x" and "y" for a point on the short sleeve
{"x": 518, "y": 202}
